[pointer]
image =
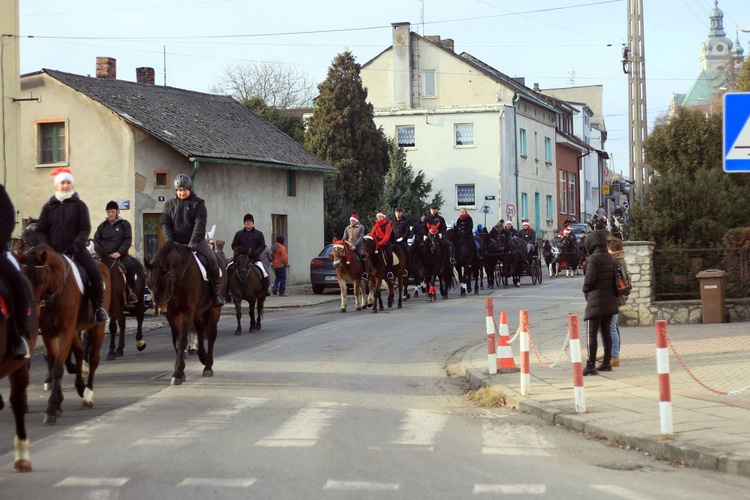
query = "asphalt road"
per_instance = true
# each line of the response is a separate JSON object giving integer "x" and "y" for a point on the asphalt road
{"x": 328, "y": 405}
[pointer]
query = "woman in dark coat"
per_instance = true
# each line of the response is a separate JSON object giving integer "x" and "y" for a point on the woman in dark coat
{"x": 601, "y": 301}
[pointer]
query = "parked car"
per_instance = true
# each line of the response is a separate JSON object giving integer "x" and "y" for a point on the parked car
{"x": 147, "y": 302}
{"x": 577, "y": 228}
{"x": 322, "y": 273}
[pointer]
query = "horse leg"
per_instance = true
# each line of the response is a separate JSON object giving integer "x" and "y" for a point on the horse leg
{"x": 210, "y": 332}
{"x": 139, "y": 309}
{"x": 111, "y": 356}
{"x": 121, "y": 344}
{"x": 251, "y": 313}
{"x": 238, "y": 312}
{"x": 180, "y": 341}
{"x": 376, "y": 292}
{"x": 390, "y": 285}
{"x": 342, "y": 289}
{"x": 95, "y": 341}
{"x": 192, "y": 342}
{"x": 261, "y": 302}
{"x": 54, "y": 403}
{"x": 401, "y": 288}
{"x": 19, "y": 381}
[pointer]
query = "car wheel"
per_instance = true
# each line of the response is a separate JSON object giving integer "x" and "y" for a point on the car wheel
{"x": 318, "y": 289}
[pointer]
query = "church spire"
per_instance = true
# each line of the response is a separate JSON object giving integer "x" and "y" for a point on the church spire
{"x": 717, "y": 49}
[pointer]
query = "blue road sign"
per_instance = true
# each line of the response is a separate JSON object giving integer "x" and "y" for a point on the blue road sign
{"x": 625, "y": 204}
{"x": 736, "y": 147}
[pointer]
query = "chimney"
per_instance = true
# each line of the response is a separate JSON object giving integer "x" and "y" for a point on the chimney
{"x": 106, "y": 67}
{"x": 536, "y": 87}
{"x": 448, "y": 44}
{"x": 145, "y": 75}
{"x": 402, "y": 65}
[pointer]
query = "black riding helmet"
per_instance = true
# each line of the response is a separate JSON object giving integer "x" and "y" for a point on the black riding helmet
{"x": 182, "y": 181}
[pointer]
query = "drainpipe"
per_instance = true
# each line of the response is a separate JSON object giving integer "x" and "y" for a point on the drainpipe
{"x": 579, "y": 160}
{"x": 515, "y": 146}
{"x": 196, "y": 166}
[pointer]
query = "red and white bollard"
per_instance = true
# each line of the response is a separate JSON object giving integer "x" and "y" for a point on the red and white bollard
{"x": 662, "y": 369}
{"x": 523, "y": 329}
{"x": 489, "y": 316}
{"x": 575, "y": 361}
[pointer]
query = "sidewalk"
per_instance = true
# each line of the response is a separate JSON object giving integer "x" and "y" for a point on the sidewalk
{"x": 711, "y": 431}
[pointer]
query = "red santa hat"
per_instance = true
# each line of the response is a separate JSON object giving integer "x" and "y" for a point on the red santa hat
{"x": 354, "y": 218}
{"x": 568, "y": 229}
{"x": 381, "y": 214}
{"x": 62, "y": 174}
{"x": 525, "y": 222}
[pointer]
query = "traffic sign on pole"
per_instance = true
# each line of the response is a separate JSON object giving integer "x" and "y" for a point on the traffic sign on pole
{"x": 510, "y": 210}
{"x": 736, "y": 147}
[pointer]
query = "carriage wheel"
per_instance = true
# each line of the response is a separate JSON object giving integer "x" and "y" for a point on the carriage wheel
{"x": 498, "y": 276}
{"x": 536, "y": 273}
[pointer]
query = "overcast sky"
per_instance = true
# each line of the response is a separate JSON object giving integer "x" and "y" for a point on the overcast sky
{"x": 556, "y": 43}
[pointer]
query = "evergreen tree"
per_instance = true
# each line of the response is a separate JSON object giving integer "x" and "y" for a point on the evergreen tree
{"x": 404, "y": 189}
{"x": 342, "y": 132}
{"x": 743, "y": 81}
{"x": 289, "y": 124}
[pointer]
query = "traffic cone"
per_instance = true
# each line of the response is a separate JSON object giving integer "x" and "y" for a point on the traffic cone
{"x": 505, "y": 361}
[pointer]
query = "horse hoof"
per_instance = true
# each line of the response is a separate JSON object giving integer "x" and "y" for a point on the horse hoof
{"x": 399, "y": 306}
{"x": 358, "y": 309}
{"x": 47, "y": 386}
{"x": 119, "y": 353}
{"x": 257, "y": 327}
{"x": 208, "y": 373}
{"x": 176, "y": 381}
{"x": 343, "y": 309}
{"x": 192, "y": 351}
{"x": 21, "y": 465}
{"x": 517, "y": 285}
{"x": 87, "y": 405}
{"x": 141, "y": 345}
{"x": 50, "y": 419}
{"x": 184, "y": 354}
{"x": 111, "y": 356}
{"x": 238, "y": 332}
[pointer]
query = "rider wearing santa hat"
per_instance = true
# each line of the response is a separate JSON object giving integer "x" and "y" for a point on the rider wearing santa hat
{"x": 65, "y": 225}
{"x": 381, "y": 234}
{"x": 353, "y": 235}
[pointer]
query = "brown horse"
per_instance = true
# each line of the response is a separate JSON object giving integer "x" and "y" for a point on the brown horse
{"x": 18, "y": 376}
{"x": 245, "y": 284}
{"x": 119, "y": 300}
{"x": 349, "y": 270}
{"x": 175, "y": 278}
{"x": 377, "y": 270}
{"x": 63, "y": 312}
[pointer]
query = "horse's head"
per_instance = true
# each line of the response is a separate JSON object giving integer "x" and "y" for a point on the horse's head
{"x": 502, "y": 241}
{"x": 368, "y": 245}
{"x": 44, "y": 269}
{"x": 340, "y": 253}
{"x": 27, "y": 240}
{"x": 242, "y": 265}
{"x": 164, "y": 270}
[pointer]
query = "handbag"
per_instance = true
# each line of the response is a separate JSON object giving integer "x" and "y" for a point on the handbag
{"x": 622, "y": 285}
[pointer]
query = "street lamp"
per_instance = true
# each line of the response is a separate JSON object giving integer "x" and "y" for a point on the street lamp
{"x": 745, "y": 30}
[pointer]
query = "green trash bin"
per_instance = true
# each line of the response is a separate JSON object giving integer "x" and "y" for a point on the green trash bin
{"x": 713, "y": 295}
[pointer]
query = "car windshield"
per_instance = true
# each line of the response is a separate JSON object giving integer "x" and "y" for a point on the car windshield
{"x": 326, "y": 251}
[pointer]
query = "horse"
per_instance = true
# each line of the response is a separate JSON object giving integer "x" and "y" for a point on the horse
{"x": 349, "y": 270}
{"x": 513, "y": 256}
{"x": 245, "y": 284}
{"x": 435, "y": 265}
{"x": 551, "y": 256}
{"x": 176, "y": 278}
{"x": 118, "y": 283}
{"x": 570, "y": 254}
{"x": 376, "y": 268}
{"x": 63, "y": 312}
{"x": 18, "y": 375}
{"x": 488, "y": 255}
{"x": 467, "y": 260}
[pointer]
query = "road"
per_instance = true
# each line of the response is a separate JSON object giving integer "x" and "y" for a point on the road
{"x": 328, "y": 405}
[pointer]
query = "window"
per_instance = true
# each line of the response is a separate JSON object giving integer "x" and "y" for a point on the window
{"x": 549, "y": 207}
{"x": 161, "y": 179}
{"x": 524, "y": 206}
{"x": 536, "y": 146}
{"x": 465, "y": 195}
{"x": 429, "y": 83}
{"x": 291, "y": 183}
{"x": 522, "y": 142}
{"x": 53, "y": 144}
{"x": 464, "y": 134}
{"x": 572, "y": 194}
{"x": 563, "y": 200}
{"x": 279, "y": 228}
{"x": 547, "y": 150}
{"x": 405, "y": 136}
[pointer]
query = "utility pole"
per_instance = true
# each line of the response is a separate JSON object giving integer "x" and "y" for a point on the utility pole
{"x": 634, "y": 64}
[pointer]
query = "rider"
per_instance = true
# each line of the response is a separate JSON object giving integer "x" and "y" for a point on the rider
{"x": 251, "y": 242}
{"x": 509, "y": 230}
{"x": 528, "y": 234}
{"x": 464, "y": 225}
{"x": 497, "y": 229}
{"x": 435, "y": 218}
{"x": 381, "y": 234}
{"x": 353, "y": 234}
{"x": 115, "y": 235}
{"x": 183, "y": 220}
{"x": 12, "y": 276}
{"x": 401, "y": 231}
{"x": 64, "y": 224}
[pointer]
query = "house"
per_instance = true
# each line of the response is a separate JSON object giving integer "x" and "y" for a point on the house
{"x": 484, "y": 138}
{"x": 125, "y": 141}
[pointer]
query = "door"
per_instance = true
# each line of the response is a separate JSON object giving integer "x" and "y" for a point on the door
{"x": 152, "y": 237}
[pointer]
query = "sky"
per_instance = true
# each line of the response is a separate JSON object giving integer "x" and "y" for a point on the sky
{"x": 555, "y": 43}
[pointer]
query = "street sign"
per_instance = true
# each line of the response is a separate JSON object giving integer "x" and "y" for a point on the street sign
{"x": 486, "y": 209}
{"x": 510, "y": 211}
{"x": 605, "y": 189}
{"x": 490, "y": 197}
{"x": 625, "y": 204}
{"x": 736, "y": 147}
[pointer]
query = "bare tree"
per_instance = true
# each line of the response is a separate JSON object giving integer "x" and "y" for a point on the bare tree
{"x": 279, "y": 84}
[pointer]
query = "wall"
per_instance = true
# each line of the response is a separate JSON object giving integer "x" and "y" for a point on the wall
{"x": 9, "y": 110}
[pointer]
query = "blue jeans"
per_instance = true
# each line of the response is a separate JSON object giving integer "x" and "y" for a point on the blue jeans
{"x": 615, "y": 332}
{"x": 279, "y": 283}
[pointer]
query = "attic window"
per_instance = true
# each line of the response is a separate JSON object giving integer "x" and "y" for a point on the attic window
{"x": 161, "y": 178}
{"x": 52, "y": 142}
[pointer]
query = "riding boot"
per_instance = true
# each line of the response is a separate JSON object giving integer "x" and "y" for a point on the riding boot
{"x": 267, "y": 285}
{"x": 132, "y": 297}
{"x": 98, "y": 291}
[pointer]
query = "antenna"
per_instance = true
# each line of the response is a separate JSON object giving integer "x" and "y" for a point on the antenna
{"x": 421, "y": 17}
{"x": 572, "y": 77}
{"x": 165, "y": 65}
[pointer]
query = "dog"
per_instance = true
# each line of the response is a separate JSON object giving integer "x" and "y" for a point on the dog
{"x": 551, "y": 255}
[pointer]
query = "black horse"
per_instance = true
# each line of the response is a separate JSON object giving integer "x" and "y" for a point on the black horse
{"x": 489, "y": 254}
{"x": 513, "y": 256}
{"x": 570, "y": 254}
{"x": 435, "y": 264}
{"x": 245, "y": 283}
{"x": 467, "y": 260}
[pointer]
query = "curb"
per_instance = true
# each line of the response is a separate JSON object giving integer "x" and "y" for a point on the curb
{"x": 662, "y": 449}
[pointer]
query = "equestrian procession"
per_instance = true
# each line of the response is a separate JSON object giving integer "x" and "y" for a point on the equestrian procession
{"x": 61, "y": 284}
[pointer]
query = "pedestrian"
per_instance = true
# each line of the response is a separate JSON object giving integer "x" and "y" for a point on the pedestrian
{"x": 19, "y": 335}
{"x": 615, "y": 248}
{"x": 266, "y": 258}
{"x": 601, "y": 301}
{"x": 183, "y": 221}
{"x": 65, "y": 225}
{"x": 250, "y": 241}
{"x": 280, "y": 263}
{"x": 220, "y": 249}
{"x": 115, "y": 236}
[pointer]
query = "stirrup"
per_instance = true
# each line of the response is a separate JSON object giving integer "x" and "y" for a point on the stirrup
{"x": 21, "y": 349}
{"x": 389, "y": 275}
{"x": 452, "y": 261}
{"x": 364, "y": 276}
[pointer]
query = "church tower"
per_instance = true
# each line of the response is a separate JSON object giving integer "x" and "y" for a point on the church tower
{"x": 716, "y": 51}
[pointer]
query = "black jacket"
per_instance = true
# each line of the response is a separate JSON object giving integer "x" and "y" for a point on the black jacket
{"x": 184, "y": 221}
{"x": 434, "y": 219}
{"x": 64, "y": 223}
{"x": 7, "y": 219}
{"x": 598, "y": 285}
{"x": 114, "y": 236}
{"x": 465, "y": 226}
{"x": 400, "y": 229}
{"x": 252, "y": 242}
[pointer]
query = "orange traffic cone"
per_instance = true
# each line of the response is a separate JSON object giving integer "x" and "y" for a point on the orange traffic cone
{"x": 505, "y": 362}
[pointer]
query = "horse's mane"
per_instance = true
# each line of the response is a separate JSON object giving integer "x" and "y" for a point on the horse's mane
{"x": 169, "y": 252}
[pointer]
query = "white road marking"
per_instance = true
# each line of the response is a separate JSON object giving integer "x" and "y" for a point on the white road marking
{"x": 618, "y": 491}
{"x": 93, "y": 481}
{"x": 420, "y": 427}
{"x": 216, "y": 482}
{"x": 304, "y": 428}
{"x": 359, "y": 486}
{"x": 511, "y": 489}
{"x": 511, "y": 439}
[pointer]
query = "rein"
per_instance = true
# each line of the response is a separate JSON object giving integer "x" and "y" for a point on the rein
{"x": 49, "y": 299}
